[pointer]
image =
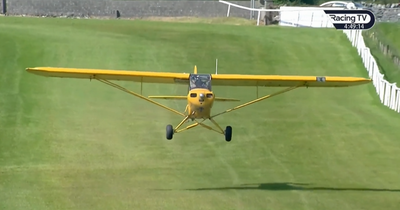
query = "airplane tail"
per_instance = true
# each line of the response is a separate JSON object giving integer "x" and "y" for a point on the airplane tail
{"x": 195, "y": 69}
{"x": 185, "y": 98}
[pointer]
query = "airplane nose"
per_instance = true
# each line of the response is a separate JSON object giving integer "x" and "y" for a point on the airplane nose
{"x": 201, "y": 97}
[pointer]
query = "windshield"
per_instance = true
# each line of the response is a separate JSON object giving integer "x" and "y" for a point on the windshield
{"x": 200, "y": 81}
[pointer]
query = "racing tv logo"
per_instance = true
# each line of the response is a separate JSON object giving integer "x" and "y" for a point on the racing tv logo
{"x": 351, "y": 19}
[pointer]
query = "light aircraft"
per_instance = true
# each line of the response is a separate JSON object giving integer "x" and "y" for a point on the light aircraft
{"x": 200, "y": 97}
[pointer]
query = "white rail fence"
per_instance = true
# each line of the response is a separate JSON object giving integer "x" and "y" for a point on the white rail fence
{"x": 304, "y": 17}
{"x": 388, "y": 93}
{"x": 293, "y": 16}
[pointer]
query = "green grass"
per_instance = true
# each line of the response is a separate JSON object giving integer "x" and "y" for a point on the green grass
{"x": 387, "y": 33}
{"x": 391, "y": 32}
{"x": 78, "y": 144}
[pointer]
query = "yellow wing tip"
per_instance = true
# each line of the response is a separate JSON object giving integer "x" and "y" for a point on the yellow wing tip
{"x": 32, "y": 69}
{"x": 195, "y": 69}
{"x": 36, "y": 68}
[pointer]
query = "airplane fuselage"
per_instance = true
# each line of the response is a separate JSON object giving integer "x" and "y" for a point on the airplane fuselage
{"x": 200, "y": 98}
{"x": 200, "y": 101}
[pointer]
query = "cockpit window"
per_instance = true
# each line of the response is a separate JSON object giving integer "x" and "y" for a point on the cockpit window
{"x": 200, "y": 81}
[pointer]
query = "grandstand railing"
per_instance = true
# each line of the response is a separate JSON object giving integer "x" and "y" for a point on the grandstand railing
{"x": 389, "y": 93}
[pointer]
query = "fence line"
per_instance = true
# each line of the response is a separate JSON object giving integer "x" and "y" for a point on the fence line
{"x": 389, "y": 93}
{"x": 286, "y": 9}
{"x": 245, "y": 8}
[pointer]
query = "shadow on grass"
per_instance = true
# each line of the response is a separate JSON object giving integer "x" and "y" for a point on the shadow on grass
{"x": 292, "y": 186}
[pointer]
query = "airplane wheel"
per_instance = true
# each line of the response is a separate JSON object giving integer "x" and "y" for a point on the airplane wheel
{"x": 228, "y": 133}
{"x": 170, "y": 132}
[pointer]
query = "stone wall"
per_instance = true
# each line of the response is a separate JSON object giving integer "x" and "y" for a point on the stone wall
{"x": 386, "y": 13}
{"x": 128, "y": 9}
{"x": 1, "y": 6}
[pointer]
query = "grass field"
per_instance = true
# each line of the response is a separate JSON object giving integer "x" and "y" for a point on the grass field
{"x": 77, "y": 144}
{"x": 388, "y": 33}
{"x": 391, "y": 32}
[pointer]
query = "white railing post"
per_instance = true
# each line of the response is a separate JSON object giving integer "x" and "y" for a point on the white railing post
{"x": 370, "y": 67}
{"x": 229, "y": 9}
{"x": 298, "y": 19}
{"x": 312, "y": 18}
{"x": 367, "y": 59}
{"x": 382, "y": 89}
{"x": 392, "y": 96}
{"x": 397, "y": 103}
{"x": 387, "y": 94}
{"x": 258, "y": 17}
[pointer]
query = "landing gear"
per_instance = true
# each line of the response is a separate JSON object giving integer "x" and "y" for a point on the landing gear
{"x": 170, "y": 132}
{"x": 228, "y": 133}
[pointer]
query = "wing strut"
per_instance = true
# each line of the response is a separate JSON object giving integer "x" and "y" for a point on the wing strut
{"x": 140, "y": 96}
{"x": 257, "y": 100}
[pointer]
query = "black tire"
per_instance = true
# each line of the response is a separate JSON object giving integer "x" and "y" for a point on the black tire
{"x": 228, "y": 133}
{"x": 170, "y": 132}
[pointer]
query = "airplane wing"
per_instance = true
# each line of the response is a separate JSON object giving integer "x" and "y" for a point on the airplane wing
{"x": 285, "y": 81}
{"x": 183, "y": 78}
{"x": 136, "y": 76}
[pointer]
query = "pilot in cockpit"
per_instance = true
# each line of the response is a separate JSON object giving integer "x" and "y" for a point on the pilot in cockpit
{"x": 196, "y": 81}
{"x": 193, "y": 81}
{"x": 205, "y": 82}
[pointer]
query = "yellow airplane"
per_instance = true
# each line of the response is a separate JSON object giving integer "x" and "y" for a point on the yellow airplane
{"x": 200, "y": 98}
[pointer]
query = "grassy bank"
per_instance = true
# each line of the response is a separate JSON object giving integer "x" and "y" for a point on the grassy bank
{"x": 78, "y": 144}
{"x": 387, "y": 34}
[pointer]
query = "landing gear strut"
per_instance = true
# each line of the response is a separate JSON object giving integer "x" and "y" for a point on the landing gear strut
{"x": 170, "y": 130}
